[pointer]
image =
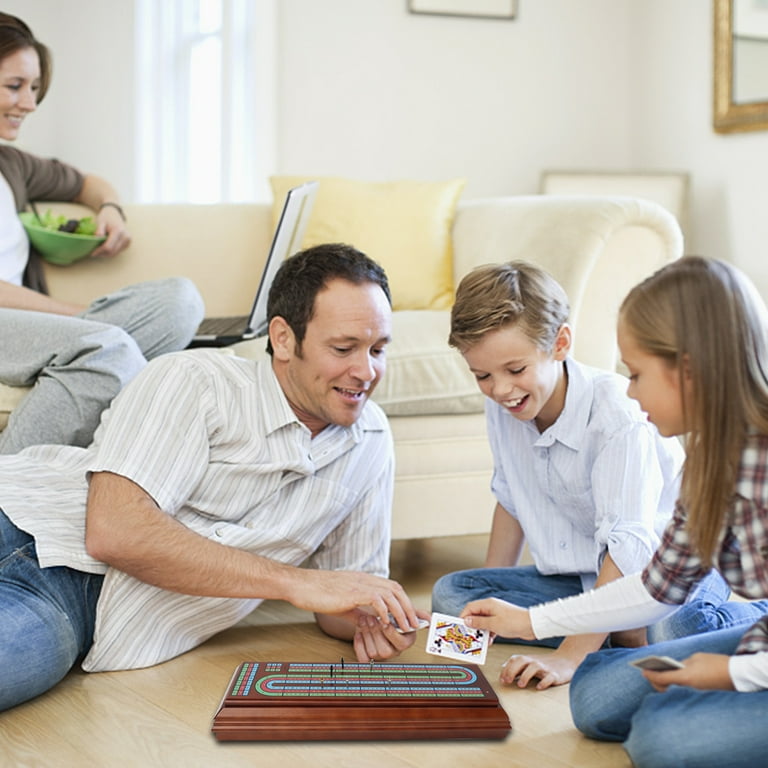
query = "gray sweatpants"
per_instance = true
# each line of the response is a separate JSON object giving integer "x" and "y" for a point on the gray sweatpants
{"x": 78, "y": 364}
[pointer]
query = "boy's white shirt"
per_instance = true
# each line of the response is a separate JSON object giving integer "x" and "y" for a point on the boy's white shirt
{"x": 569, "y": 487}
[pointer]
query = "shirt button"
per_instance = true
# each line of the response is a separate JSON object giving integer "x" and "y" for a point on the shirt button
{"x": 563, "y": 545}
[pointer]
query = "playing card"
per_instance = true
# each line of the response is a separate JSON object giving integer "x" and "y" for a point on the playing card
{"x": 450, "y": 637}
{"x": 422, "y": 623}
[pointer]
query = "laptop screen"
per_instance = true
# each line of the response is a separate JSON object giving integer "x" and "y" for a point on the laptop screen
{"x": 286, "y": 241}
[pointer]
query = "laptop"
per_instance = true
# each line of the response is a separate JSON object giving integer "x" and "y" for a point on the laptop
{"x": 221, "y": 331}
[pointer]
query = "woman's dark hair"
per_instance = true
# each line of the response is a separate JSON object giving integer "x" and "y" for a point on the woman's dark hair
{"x": 302, "y": 276}
{"x": 15, "y": 35}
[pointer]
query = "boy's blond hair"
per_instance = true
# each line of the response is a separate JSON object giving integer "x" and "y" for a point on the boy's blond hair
{"x": 514, "y": 293}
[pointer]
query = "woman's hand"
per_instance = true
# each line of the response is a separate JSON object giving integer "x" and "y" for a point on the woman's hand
{"x": 97, "y": 193}
{"x": 110, "y": 223}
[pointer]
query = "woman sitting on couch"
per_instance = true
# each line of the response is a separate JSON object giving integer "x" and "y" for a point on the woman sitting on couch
{"x": 77, "y": 357}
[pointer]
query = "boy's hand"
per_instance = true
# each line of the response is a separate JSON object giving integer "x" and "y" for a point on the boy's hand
{"x": 499, "y": 617}
{"x": 548, "y": 670}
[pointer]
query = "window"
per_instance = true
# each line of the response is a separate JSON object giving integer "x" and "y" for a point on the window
{"x": 205, "y": 100}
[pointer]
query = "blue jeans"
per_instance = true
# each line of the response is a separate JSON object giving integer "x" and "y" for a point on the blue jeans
{"x": 522, "y": 585}
{"x": 707, "y": 609}
{"x": 612, "y": 701}
{"x": 46, "y": 618}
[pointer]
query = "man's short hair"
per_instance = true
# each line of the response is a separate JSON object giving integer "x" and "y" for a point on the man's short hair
{"x": 515, "y": 293}
{"x": 302, "y": 276}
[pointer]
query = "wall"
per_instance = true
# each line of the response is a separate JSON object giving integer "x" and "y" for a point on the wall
{"x": 87, "y": 117}
{"x": 370, "y": 91}
{"x": 729, "y": 172}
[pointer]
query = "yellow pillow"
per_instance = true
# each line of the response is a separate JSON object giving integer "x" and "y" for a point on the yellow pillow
{"x": 403, "y": 225}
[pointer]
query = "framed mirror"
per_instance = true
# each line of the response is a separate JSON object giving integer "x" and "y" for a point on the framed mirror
{"x": 741, "y": 65}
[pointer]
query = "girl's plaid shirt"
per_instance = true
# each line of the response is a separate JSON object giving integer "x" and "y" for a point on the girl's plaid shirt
{"x": 742, "y": 557}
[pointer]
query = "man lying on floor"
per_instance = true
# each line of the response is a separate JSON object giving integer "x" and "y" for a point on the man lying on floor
{"x": 210, "y": 481}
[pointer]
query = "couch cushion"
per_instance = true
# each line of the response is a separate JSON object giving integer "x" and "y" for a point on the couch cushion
{"x": 403, "y": 225}
{"x": 424, "y": 375}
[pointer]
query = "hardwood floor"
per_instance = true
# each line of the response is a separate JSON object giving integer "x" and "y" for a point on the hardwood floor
{"x": 162, "y": 716}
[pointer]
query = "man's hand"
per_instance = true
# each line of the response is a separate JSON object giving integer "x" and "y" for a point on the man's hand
{"x": 339, "y": 592}
{"x": 499, "y": 617}
{"x": 705, "y": 671}
{"x": 374, "y": 640}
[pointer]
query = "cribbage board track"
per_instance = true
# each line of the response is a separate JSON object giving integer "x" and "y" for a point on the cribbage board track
{"x": 310, "y": 701}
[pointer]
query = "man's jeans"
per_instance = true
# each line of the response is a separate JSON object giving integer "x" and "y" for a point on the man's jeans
{"x": 46, "y": 618}
{"x": 612, "y": 701}
{"x": 707, "y": 609}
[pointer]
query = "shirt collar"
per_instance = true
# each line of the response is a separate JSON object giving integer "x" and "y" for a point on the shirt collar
{"x": 278, "y": 412}
{"x": 571, "y": 425}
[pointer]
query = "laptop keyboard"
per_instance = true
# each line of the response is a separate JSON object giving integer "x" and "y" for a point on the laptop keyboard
{"x": 222, "y": 326}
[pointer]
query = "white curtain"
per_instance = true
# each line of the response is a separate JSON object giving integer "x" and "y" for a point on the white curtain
{"x": 205, "y": 96}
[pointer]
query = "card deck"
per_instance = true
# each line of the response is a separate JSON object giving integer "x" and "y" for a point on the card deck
{"x": 422, "y": 623}
{"x": 451, "y": 638}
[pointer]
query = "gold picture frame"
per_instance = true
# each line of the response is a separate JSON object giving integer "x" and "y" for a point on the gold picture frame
{"x": 729, "y": 115}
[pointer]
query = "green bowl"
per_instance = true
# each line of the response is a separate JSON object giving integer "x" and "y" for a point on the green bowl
{"x": 58, "y": 247}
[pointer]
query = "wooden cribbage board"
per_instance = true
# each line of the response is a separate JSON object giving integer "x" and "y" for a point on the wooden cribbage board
{"x": 297, "y": 701}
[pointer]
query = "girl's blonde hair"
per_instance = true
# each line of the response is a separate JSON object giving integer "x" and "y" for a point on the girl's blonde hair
{"x": 515, "y": 293}
{"x": 705, "y": 318}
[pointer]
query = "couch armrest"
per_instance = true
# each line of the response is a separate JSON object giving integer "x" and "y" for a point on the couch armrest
{"x": 596, "y": 247}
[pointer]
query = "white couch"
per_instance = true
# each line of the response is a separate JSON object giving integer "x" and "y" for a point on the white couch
{"x": 596, "y": 247}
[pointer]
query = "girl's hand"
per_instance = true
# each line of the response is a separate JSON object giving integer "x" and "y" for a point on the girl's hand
{"x": 500, "y": 617}
{"x": 705, "y": 671}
